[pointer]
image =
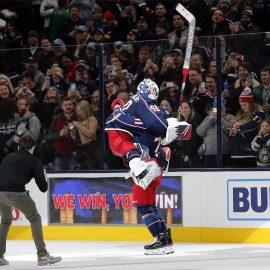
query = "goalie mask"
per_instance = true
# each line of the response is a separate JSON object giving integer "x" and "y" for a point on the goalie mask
{"x": 148, "y": 89}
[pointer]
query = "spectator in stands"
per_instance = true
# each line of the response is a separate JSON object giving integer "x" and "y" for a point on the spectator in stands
{"x": 12, "y": 40}
{"x": 128, "y": 17}
{"x": 45, "y": 57}
{"x": 249, "y": 42}
{"x": 208, "y": 131}
{"x": 114, "y": 30}
{"x": 49, "y": 107}
{"x": 5, "y": 92}
{"x": 6, "y": 81}
{"x": 212, "y": 67}
{"x": 32, "y": 48}
{"x": 47, "y": 9}
{"x": 86, "y": 6}
{"x": 89, "y": 56}
{"x": 122, "y": 82}
{"x": 28, "y": 124}
{"x": 230, "y": 68}
{"x": 99, "y": 36}
{"x": 162, "y": 46}
{"x": 66, "y": 29}
{"x": 229, "y": 13}
{"x": 178, "y": 37}
{"x": 59, "y": 134}
{"x": 115, "y": 68}
{"x": 31, "y": 64}
{"x": 206, "y": 95}
{"x": 97, "y": 17}
{"x": 143, "y": 30}
{"x": 28, "y": 87}
{"x": 85, "y": 85}
{"x": 160, "y": 13}
{"x": 169, "y": 70}
{"x": 261, "y": 93}
{"x": 95, "y": 100}
{"x": 85, "y": 135}
{"x": 244, "y": 129}
{"x": 170, "y": 90}
{"x": 197, "y": 62}
{"x": 60, "y": 50}
{"x": 218, "y": 25}
{"x": 246, "y": 79}
{"x": 187, "y": 150}
{"x": 55, "y": 77}
{"x": 58, "y": 18}
{"x": 261, "y": 144}
{"x": 82, "y": 38}
{"x": 192, "y": 87}
{"x": 8, "y": 123}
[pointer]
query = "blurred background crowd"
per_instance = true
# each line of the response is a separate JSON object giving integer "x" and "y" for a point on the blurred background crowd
{"x": 63, "y": 62}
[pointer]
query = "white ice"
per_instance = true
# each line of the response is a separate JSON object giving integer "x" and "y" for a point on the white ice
{"x": 85, "y": 255}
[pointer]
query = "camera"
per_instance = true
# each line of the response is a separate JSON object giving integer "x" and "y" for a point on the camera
{"x": 70, "y": 126}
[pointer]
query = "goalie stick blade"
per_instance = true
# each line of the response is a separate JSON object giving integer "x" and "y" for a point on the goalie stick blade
{"x": 185, "y": 13}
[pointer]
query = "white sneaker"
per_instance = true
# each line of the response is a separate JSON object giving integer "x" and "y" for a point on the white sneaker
{"x": 3, "y": 261}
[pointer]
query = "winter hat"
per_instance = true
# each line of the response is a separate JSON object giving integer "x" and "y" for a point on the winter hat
{"x": 246, "y": 96}
{"x": 109, "y": 16}
{"x": 248, "y": 12}
{"x": 225, "y": 1}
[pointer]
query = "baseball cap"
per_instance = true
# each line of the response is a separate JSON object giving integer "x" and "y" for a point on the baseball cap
{"x": 142, "y": 18}
{"x": 117, "y": 43}
{"x": 33, "y": 34}
{"x": 82, "y": 65}
{"x": 31, "y": 59}
{"x": 91, "y": 45}
{"x": 81, "y": 28}
{"x": 58, "y": 42}
{"x": 179, "y": 51}
{"x": 98, "y": 30}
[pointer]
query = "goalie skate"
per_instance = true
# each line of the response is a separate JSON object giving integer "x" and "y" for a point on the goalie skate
{"x": 160, "y": 246}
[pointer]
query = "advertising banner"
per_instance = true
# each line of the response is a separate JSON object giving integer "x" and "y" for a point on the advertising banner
{"x": 248, "y": 199}
{"x": 107, "y": 200}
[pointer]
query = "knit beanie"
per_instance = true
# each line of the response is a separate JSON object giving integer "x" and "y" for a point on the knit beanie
{"x": 109, "y": 16}
{"x": 246, "y": 96}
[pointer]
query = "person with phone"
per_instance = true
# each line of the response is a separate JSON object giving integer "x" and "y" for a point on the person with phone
{"x": 208, "y": 131}
{"x": 245, "y": 79}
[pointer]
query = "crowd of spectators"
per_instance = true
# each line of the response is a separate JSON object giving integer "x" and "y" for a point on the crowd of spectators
{"x": 52, "y": 80}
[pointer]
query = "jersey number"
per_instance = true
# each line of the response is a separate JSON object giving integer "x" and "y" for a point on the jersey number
{"x": 154, "y": 108}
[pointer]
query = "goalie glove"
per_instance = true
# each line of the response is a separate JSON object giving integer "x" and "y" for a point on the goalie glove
{"x": 176, "y": 131}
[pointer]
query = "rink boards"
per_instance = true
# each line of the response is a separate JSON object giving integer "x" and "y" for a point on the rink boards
{"x": 201, "y": 206}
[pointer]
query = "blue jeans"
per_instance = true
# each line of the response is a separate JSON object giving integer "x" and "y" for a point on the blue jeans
{"x": 65, "y": 162}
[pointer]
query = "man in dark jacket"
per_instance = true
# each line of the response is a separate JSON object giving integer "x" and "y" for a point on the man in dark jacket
{"x": 17, "y": 170}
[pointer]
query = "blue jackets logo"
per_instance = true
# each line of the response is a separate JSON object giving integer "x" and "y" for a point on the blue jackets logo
{"x": 248, "y": 199}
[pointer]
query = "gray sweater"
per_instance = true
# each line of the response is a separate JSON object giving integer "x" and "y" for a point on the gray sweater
{"x": 208, "y": 130}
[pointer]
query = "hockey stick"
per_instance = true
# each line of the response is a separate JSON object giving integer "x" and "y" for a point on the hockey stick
{"x": 191, "y": 29}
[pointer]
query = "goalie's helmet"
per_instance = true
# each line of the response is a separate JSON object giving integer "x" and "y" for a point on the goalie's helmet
{"x": 149, "y": 89}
